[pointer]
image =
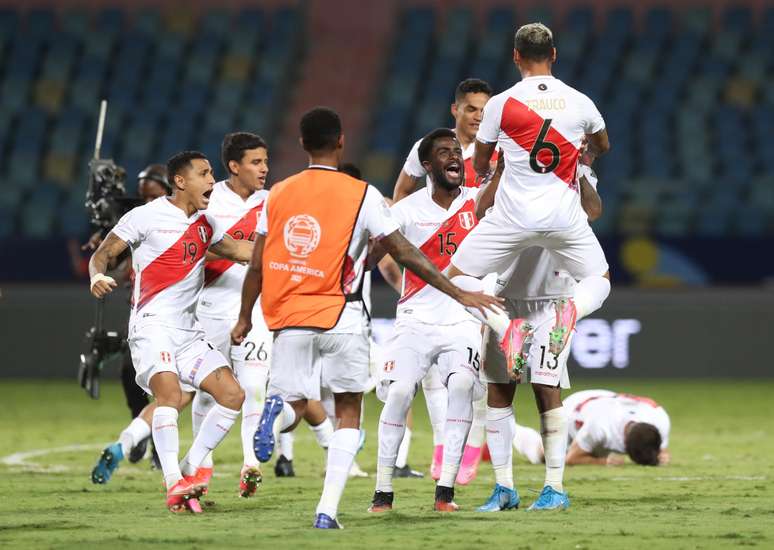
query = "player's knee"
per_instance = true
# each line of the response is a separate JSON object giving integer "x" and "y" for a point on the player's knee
{"x": 401, "y": 394}
{"x": 233, "y": 397}
{"x": 460, "y": 386}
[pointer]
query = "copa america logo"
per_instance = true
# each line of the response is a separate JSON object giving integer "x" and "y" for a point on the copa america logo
{"x": 302, "y": 235}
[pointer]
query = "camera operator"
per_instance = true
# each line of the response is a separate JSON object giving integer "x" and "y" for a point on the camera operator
{"x": 152, "y": 183}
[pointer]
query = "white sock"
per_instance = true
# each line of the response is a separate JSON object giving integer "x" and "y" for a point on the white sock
{"x": 459, "y": 417}
{"x": 216, "y": 425}
{"x": 589, "y": 295}
{"x": 500, "y": 428}
{"x": 392, "y": 425}
{"x": 136, "y": 431}
{"x": 287, "y": 418}
{"x": 477, "y": 429}
{"x": 553, "y": 428}
{"x": 201, "y": 405}
{"x": 286, "y": 441}
{"x": 403, "y": 450}
{"x": 252, "y": 378}
{"x": 166, "y": 439}
{"x": 323, "y": 433}
{"x": 499, "y": 321}
{"x": 341, "y": 454}
{"x": 529, "y": 444}
{"x": 436, "y": 399}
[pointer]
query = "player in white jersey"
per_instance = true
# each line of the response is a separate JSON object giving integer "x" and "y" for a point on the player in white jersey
{"x": 531, "y": 286}
{"x": 169, "y": 238}
{"x": 306, "y": 359}
{"x": 430, "y": 327}
{"x": 235, "y": 205}
{"x": 604, "y": 425}
{"x": 470, "y": 97}
{"x": 539, "y": 124}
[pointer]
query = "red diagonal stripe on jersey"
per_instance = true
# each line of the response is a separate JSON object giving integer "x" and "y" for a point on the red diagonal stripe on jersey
{"x": 456, "y": 223}
{"x": 471, "y": 179}
{"x": 522, "y": 125}
{"x": 242, "y": 229}
{"x": 175, "y": 262}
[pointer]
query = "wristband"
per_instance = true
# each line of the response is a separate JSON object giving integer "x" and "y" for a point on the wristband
{"x": 100, "y": 277}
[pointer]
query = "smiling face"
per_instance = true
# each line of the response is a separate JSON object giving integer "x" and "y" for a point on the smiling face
{"x": 196, "y": 183}
{"x": 468, "y": 113}
{"x": 446, "y": 165}
{"x": 252, "y": 169}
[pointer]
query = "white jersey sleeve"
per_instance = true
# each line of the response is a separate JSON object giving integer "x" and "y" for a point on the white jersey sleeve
{"x": 592, "y": 437}
{"x": 591, "y": 116}
{"x": 413, "y": 167}
{"x": 489, "y": 129}
{"x": 130, "y": 227}
{"x": 263, "y": 220}
{"x": 218, "y": 229}
{"x": 375, "y": 214}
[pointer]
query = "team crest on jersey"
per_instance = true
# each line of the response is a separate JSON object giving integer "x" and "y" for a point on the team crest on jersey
{"x": 203, "y": 233}
{"x": 467, "y": 220}
{"x": 302, "y": 235}
{"x": 166, "y": 357}
{"x": 389, "y": 366}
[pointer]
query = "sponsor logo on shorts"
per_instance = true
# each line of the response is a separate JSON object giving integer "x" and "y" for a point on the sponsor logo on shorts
{"x": 194, "y": 370}
{"x": 302, "y": 235}
{"x": 389, "y": 366}
{"x": 166, "y": 357}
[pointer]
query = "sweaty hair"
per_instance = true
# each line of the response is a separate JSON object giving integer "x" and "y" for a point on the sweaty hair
{"x": 351, "y": 170}
{"x": 426, "y": 145}
{"x": 235, "y": 145}
{"x": 643, "y": 443}
{"x": 320, "y": 129}
{"x": 534, "y": 42}
{"x": 471, "y": 86}
{"x": 181, "y": 161}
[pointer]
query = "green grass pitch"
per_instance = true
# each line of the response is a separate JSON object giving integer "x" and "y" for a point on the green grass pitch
{"x": 717, "y": 493}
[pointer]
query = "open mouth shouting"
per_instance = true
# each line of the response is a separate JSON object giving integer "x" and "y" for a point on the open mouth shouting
{"x": 453, "y": 171}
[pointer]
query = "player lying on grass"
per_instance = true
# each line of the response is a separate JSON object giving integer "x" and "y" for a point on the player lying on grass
{"x": 169, "y": 238}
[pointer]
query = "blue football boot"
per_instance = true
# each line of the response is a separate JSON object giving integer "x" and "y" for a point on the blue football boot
{"x": 502, "y": 499}
{"x": 551, "y": 499}
{"x": 324, "y": 521}
{"x": 263, "y": 440}
{"x": 107, "y": 463}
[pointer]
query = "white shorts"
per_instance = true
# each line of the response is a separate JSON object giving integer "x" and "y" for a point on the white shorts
{"x": 250, "y": 360}
{"x": 415, "y": 347}
{"x": 543, "y": 366}
{"x": 157, "y": 348}
{"x": 493, "y": 245}
{"x": 303, "y": 361}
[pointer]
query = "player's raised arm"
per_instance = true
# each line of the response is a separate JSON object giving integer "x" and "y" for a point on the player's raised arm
{"x": 110, "y": 249}
{"x": 599, "y": 143}
{"x": 232, "y": 249}
{"x": 251, "y": 289}
{"x": 485, "y": 198}
{"x": 410, "y": 257}
{"x": 404, "y": 186}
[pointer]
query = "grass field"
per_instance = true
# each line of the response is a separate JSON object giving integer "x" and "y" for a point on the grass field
{"x": 717, "y": 493}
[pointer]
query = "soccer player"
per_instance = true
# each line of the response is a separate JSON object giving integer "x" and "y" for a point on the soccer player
{"x": 235, "y": 205}
{"x": 307, "y": 265}
{"x": 531, "y": 286}
{"x": 168, "y": 238}
{"x": 470, "y": 97}
{"x": 431, "y": 328}
{"x": 540, "y": 124}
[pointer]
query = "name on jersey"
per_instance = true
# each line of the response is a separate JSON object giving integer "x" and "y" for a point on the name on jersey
{"x": 547, "y": 104}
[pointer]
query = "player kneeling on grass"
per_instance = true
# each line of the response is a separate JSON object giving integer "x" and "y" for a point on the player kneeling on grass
{"x": 169, "y": 238}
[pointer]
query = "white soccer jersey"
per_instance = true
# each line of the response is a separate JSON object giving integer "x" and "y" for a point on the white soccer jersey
{"x": 168, "y": 251}
{"x": 539, "y": 124}
{"x": 375, "y": 221}
{"x": 413, "y": 166}
{"x": 598, "y": 418}
{"x": 222, "y": 294}
{"x": 437, "y": 233}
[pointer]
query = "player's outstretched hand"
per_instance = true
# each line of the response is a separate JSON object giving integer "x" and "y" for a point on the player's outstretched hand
{"x": 241, "y": 330}
{"x": 102, "y": 285}
{"x": 480, "y": 301}
{"x": 94, "y": 241}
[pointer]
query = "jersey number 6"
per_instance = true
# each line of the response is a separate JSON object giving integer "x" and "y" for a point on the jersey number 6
{"x": 542, "y": 145}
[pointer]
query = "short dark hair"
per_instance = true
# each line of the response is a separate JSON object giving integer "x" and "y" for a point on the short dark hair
{"x": 426, "y": 145}
{"x": 643, "y": 444}
{"x": 235, "y": 144}
{"x": 534, "y": 41}
{"x": 320, "y": 129}
{"x": 157, "y": 173}
{"x": 180, "y": 161}
{"x": 471, "y": 86}
{"x": 351, "y": 170}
